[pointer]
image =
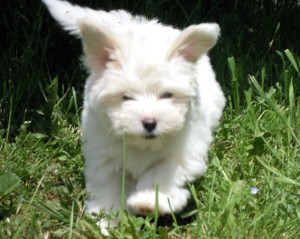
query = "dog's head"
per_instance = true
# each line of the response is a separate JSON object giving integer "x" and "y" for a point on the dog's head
{"x": 142, "y": 74}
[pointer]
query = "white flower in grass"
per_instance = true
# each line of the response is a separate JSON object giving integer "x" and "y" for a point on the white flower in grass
{"x": 254, "y": 190}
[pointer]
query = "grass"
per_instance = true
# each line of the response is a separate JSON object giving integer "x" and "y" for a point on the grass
{"x": 257, "y": 146}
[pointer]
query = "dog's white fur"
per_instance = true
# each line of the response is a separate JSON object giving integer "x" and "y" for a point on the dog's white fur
{"x": 143, "y": 71}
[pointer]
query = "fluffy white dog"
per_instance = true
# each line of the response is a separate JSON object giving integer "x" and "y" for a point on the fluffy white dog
{"x": 155, "y": 85}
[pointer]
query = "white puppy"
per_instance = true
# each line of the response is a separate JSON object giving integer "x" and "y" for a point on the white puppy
{"x": 155, "y": 85}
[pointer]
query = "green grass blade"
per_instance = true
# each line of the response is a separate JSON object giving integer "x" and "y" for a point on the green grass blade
{"x": 8, "y": 182}
{"x": 36, "y": 190}
{"x": 122, "y": 216}
{"x": 281, "y": 177}
{"x": 272, "y": 104}
{"x": 156, "y": 213}
{"x": 71, "y": 222}
{"x": 234, "y": 84}
{"x": 293, "y": 60}
{"x": 77, "y": 110}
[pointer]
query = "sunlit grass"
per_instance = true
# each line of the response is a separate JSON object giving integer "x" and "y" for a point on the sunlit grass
{"x": 258, "y": 147}
{"x": 252, "y": 186}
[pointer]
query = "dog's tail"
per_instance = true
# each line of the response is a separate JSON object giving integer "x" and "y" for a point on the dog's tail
{"x": 70, "y": 16}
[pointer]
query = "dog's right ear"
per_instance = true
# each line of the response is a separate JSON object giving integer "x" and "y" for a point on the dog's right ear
{"x": 98, "y": 43}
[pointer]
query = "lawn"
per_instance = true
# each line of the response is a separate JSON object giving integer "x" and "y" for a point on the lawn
{"x": 252, "y": 186}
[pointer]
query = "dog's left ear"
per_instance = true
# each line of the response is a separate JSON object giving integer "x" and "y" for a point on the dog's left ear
{"x": 98, "y": 42}
{"x": 195, "y": 41}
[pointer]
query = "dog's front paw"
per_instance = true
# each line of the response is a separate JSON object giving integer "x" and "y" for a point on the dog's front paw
{"x": 143, "y": 203}
{"x": 105, "y": 224}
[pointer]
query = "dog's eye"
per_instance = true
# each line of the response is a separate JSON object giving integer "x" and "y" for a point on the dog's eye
{"x": 125, "y": 97}
{"x": 166, "y": 95}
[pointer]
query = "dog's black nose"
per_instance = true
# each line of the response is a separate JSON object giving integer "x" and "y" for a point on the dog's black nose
{"x": 149, "y": 124}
